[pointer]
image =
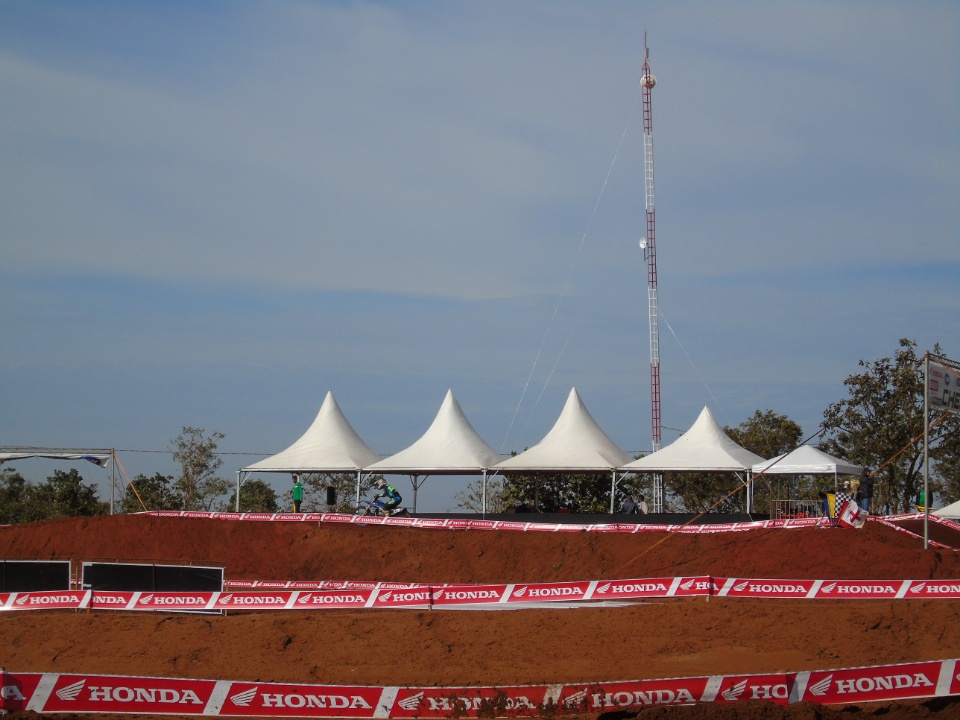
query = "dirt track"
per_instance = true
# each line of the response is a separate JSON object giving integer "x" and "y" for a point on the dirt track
{"x": 669, "y": 638}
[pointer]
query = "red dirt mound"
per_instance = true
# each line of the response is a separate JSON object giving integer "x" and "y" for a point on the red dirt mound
{"x": 669, "y": 638}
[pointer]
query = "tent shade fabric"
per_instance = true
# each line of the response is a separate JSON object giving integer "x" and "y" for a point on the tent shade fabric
{"x": 950, "y": 511}
{"x": 98, "y": 456}
{"x": 330, "y": 444}
{"x": 450, "y": 446}
{"x": 806, "y": 460}
{"x": 576, "y": 443}
{"x": 705, "y": 447}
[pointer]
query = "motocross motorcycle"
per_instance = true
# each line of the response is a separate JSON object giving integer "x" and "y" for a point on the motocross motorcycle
{"x": 374, "y": 508}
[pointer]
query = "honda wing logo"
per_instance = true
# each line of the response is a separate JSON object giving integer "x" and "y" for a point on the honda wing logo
{"x": 520, "y": 592}
{"x": 304, "y": 599}
{"x": 413, "y": 702}
{"x": 735, "y": 692}
{"x": 688, "y": 584}
{"x": 740, "y": 587}
{"x": 146, "y": 599}
{"x": 576, "y": 699}
{"x": 70, "y": 692}
{"x": 918, "y": 588}
{"x": 605, "y": 588}
{"x": 829, "y": 588}
{"x": 821, "y": 687}
{"x": 245, "y": 698}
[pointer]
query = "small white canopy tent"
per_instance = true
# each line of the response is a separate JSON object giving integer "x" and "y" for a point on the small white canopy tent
{"x": 949, "y": 511}
{"x": 450, "y": 446}
{"x": 705, "y": 447}
{"x": 330, "y": 445}
{"x": 575, "y": 444}
{"x": 806, "y": 460}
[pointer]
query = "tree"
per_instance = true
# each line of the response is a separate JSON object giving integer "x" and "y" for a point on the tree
{"x": 157, "y": 493}
{"x": 880, "y": 425}
{"x": 471, "y": 497}
{"x": 255, "y": 496}
{"x": 768, "y": 435}
{"x": 946, "y": 460}
{"x": 344, "y": 488}
{"x": 579, "y": 493}
{"x": 13, "y": 497}
{"x": 64, "y": 494}
{"x": 198, "y": 482}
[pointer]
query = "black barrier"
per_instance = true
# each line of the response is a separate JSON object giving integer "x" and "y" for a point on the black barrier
{"x": 34, "y": 575}
{"x": 151, "y": 578}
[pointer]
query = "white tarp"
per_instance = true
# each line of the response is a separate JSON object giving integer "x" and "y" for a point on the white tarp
{"x": 576, "y": 443}
{"x": 450, "y": 446}
{"x": 806, "y": 460}
{"x": 97, "y": 457}
{"x": 329, "y": 445}
{"x": 705, "y": 447}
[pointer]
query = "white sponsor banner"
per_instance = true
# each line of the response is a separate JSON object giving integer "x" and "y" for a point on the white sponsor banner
{"x": 943, "y": 388}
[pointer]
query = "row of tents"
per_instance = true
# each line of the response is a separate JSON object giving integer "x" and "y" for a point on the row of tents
{"x": 575, "y": 444}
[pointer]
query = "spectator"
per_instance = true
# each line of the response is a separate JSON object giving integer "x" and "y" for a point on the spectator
{"x": 629, "y": 506}
{"x": 642, "y": 505}
{"x": 297, "y": 493}
{"x": 866, "y": 490}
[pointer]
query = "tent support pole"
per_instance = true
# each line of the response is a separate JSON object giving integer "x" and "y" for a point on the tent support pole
{"x": 613, "y": 490}
{"x": 113, "y": 478}
{"x": 483, "y": 496}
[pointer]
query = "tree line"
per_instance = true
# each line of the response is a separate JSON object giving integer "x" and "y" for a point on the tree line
{"x": 878, "y": 425}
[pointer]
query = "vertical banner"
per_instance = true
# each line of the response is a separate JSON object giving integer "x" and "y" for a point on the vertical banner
{"x": 943, "y": 385}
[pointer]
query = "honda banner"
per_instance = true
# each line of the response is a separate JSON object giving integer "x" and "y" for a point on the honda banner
{"x": 79, "y": 693}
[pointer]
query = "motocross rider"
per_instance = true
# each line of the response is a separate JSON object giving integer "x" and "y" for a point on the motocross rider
{"x": 389, "y": 492}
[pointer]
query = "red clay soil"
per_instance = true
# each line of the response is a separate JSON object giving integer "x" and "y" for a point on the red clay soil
{"x": 659, "y": 639}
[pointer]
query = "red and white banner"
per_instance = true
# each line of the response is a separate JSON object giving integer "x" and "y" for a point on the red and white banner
{"x": 464, "y": 524}
{"x": 79, "y": 693}
{"x": 323, "y": 596}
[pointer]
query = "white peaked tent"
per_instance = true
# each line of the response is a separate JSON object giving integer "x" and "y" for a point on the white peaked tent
{"x": 329, "y": 445}
{"x": 575, "y": 444}
{"x": 450, "y": 446}
{"x": 705, "y": 447}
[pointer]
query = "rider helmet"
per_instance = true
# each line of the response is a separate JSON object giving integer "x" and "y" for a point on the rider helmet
{"x": 380, "y": 483}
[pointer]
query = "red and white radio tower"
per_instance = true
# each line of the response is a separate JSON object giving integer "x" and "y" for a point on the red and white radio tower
{"x": 649, "y": 246}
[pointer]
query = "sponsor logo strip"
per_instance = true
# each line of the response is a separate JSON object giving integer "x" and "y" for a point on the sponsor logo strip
{"x": 76, "y": 693}
{"x": 297, "y": 595}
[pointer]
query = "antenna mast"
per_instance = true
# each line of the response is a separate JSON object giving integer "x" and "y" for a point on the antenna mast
{"x": 649, "y": 246}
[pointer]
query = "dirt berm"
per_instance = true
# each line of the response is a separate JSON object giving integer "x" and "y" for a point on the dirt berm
{"x": 658, "y": 639}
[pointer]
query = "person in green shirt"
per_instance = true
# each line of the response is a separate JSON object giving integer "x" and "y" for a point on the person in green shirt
{"x": 297, "y": 493}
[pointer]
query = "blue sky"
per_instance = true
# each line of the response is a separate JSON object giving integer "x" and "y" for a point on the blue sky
{"x": 212, "y": 213}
